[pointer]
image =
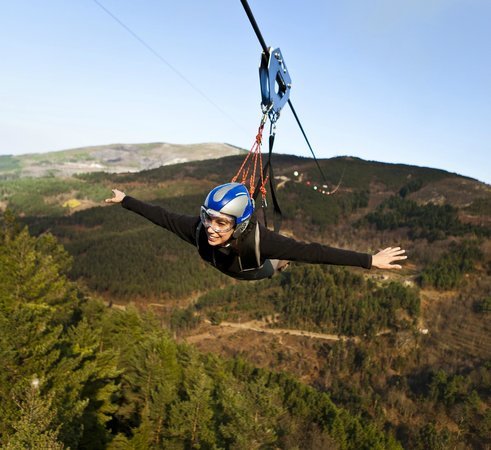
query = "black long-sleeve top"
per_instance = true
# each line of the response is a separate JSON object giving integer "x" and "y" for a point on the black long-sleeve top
{"x": 272, "y": 245}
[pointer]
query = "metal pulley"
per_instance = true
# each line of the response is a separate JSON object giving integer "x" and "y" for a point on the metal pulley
{"x": 275, "y": 82}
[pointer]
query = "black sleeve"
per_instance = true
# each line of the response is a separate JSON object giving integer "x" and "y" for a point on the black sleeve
{"x": 276, "y": 246}
{"x": 181, "y": 225}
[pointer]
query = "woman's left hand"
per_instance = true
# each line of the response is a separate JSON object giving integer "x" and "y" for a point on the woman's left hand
{"x": 385, "y": 258}
{"x": 117, "y": 197}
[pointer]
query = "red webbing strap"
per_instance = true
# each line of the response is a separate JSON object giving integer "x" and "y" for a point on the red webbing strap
{"x": 250, "y": 165}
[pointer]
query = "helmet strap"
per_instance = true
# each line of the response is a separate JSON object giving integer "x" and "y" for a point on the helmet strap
{"x": 239, "y": 229}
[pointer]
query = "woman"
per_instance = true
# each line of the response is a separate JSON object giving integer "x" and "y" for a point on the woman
{"x": 229, "y": 238}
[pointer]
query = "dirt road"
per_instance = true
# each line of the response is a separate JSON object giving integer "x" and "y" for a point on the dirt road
{"x": 227, "y": 328}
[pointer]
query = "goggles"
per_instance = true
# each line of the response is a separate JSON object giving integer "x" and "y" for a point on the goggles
{"x": 218, "y": 222}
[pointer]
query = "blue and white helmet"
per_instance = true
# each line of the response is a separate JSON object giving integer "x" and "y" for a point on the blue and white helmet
{"x": 232, "y": 199}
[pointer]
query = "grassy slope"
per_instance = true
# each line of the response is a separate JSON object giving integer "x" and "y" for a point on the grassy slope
{"x": 111, "y": 158}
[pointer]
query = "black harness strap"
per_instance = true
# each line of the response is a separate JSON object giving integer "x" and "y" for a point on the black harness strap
{"x": 249, "y": 247}
{"x": 268, "y": 170}
{"x": 277, "y": 216}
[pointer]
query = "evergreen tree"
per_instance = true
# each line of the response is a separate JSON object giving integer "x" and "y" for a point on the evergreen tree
{"x": 33, "y": 428}
{"x": 191, "y": 418}
{"x": 250, "y": 414}
{"x": 149, "y": 384}
{"x": 41, "y": 336}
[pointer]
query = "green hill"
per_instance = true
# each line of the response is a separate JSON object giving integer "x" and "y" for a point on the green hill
{"x": 408, "y": 351}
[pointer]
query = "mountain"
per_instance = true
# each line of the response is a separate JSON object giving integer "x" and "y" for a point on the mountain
{"x": 407, "y": 351}
{"x": 112, "y": 158}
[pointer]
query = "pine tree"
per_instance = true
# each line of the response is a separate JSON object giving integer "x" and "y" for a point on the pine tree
{"x": 151, "y": 377}
{"x": 191, "y": 419}
{"x": 33, "y": 428}
{"x": 41, "y": 336}
{"x": 250, "y": 414}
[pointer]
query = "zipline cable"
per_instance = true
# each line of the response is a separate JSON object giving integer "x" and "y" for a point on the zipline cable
{"x": 266, "y": 51}
{"x": 305, "y": 136}
{"x": 255, "y": 26}
{"x": 194, "y": 87}
{"x": 167, "y": 63}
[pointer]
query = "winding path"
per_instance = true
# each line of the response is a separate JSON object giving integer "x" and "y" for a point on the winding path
{"x": 227, "y": 328}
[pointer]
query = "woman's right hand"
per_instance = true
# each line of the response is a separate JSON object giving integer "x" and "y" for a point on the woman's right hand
{"x": 385, "y": 258}
{"x": 117, "y": 196}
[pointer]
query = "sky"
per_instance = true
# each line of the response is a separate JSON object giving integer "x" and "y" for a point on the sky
{"x": 397, "y": 81}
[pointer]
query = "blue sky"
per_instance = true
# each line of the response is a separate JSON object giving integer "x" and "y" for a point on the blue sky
{"x": 406, "y": 81}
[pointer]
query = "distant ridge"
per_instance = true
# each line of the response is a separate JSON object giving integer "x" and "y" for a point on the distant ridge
{"x": 113, "y": 158}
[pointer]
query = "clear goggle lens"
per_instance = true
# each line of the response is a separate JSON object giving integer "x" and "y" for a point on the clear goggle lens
{"x": 220, "y": 223}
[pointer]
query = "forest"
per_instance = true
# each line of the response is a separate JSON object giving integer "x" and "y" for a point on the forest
{"x": 76, "y": 374}
{"x": 432, "y": 222}
{"x": 98, "y": 308}
{"x": 319, "y": 298}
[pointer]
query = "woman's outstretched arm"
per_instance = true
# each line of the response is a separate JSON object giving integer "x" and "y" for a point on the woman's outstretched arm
{"x": 181, "y": 225}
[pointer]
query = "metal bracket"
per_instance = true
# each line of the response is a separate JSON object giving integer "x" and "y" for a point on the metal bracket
{"x": 275, "y": 82}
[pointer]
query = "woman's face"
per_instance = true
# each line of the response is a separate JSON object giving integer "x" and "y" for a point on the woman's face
{"x": 219, "y": 227}
{"x": 218, "y": 238}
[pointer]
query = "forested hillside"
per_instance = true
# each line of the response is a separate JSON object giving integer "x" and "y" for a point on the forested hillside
{"x": 75, "y": 374}
{"x": 374, "y": 359}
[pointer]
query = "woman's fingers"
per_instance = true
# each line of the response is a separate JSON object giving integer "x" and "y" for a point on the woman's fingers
{"x": 393, "y": 250}
{"x": 399, "y": 258}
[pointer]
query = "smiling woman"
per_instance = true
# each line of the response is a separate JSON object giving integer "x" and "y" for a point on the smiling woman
{"x": 228, "y": 236}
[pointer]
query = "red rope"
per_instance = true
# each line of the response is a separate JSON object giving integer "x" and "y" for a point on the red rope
{"x": 251, "y": 162}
